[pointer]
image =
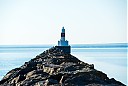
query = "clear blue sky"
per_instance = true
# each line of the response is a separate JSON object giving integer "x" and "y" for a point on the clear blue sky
{"x": 40, "y": 21}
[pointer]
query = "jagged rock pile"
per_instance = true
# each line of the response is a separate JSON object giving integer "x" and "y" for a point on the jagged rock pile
{"x": 54, "y": 67}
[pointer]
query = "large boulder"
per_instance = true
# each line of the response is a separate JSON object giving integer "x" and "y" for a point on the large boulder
{"x": 54, "y": 67}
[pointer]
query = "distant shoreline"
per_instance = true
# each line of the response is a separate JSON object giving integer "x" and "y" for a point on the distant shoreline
{"x": 109, "y": 45}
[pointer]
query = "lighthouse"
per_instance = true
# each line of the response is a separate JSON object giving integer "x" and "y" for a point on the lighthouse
{"x": 63, "y": 44}
{"x": 62, "y": 41}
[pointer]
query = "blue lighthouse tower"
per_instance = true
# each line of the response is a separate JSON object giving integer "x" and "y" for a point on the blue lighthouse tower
{"x": 63, "y": 44}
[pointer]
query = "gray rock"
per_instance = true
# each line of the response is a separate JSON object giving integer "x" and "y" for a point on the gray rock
{"x": 55, "y": 68}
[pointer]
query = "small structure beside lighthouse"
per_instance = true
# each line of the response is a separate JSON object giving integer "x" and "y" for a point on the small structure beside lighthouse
{"x": 63, "y": 44}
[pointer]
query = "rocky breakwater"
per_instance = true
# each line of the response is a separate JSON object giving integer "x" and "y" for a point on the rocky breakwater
{"x": 55, "y": 68}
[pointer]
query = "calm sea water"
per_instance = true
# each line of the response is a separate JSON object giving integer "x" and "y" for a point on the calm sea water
{"x": 110, "y": 60}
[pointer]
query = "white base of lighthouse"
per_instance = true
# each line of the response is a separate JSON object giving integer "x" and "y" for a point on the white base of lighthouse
{"x": 62, "y": 43}
{"x": 65, "y": 49}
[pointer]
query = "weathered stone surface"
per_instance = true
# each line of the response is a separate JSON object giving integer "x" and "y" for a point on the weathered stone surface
{"x": 55, "y": 68}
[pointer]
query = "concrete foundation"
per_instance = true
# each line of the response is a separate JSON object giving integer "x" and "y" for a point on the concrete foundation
{"x": 66, "y": 49}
